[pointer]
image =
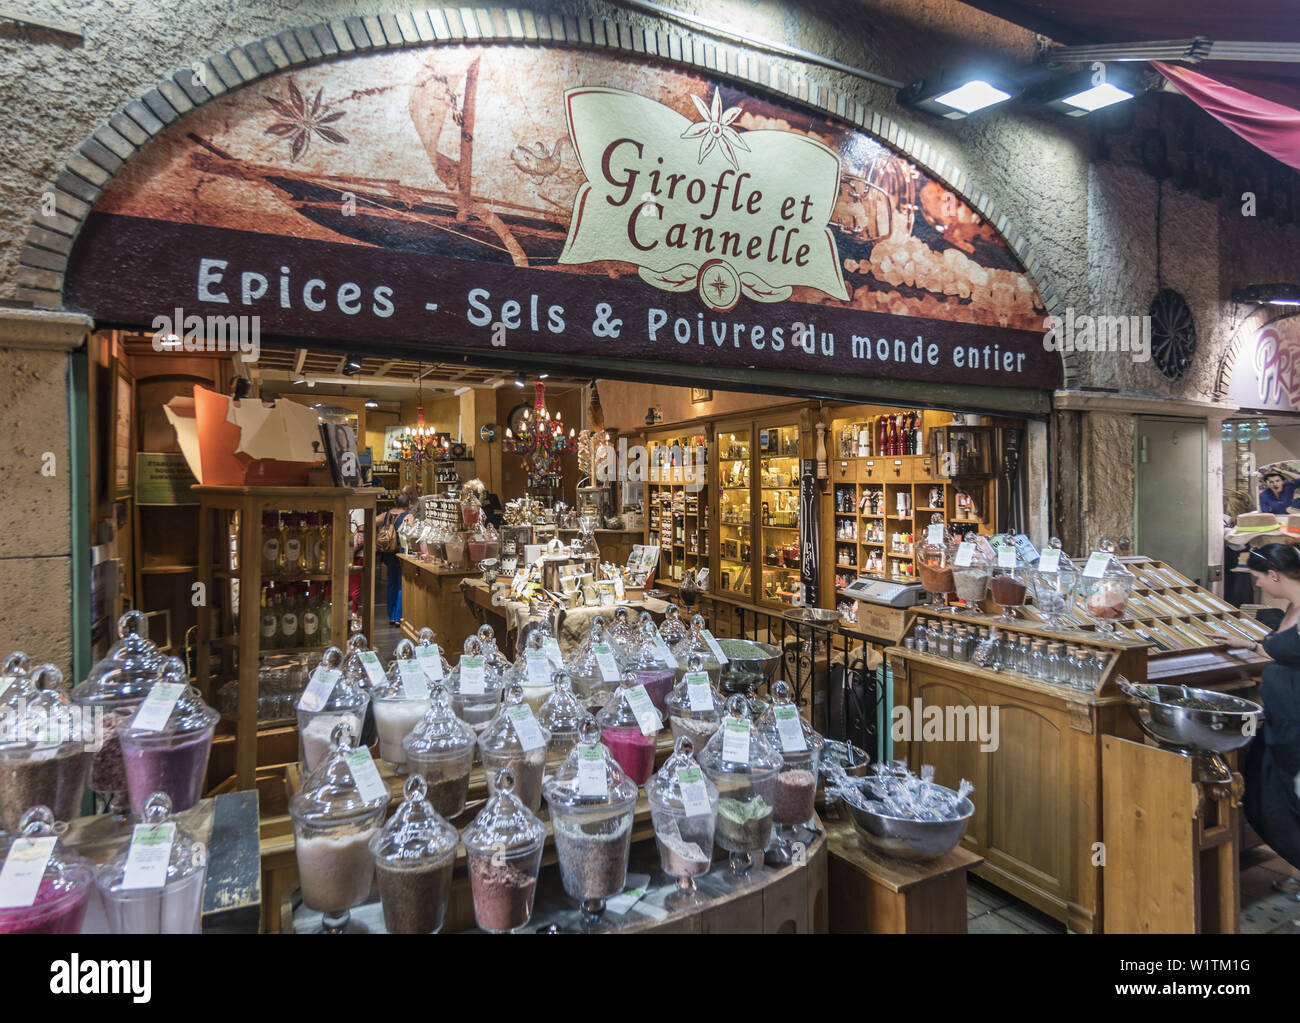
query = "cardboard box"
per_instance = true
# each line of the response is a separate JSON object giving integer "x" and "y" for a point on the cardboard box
{"x": 248, "y": 442}
{"x": 879, "y": 622}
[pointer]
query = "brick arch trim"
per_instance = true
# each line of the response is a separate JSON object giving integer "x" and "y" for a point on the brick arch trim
{"x": 1256, "y": 321}
{"x": 50, "y": 239}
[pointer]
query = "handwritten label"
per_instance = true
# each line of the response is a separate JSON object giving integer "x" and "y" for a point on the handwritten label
{"x": 1098, "y": 562}
{"x": 1006, "y": 557}
{"x": 20, "y": 877}
{"x": 539, "y": 667}
{"x": 430, "y": 658}
{"x": 695, "y": 796}
{"x": 605, "y": 661}
{"x": 526, "y": 727}
{"x": 735, "y": 741}
{"x": 1050, "y": 560}
{"x": 149, "y": 855}
{"x": 934, "y": 533}
{"x": 319, "y": 689}
{"x": 699, "y": 693}
{"x": 593, "y": 779}
{"x": 158, "y": 706}
{"x": 713, "y": 645}
{"x": 364, "y": 772}
{"x": 374, "y": 670}
{"x": 790, "y": 729}
{"x": 965, "y": 554}
{"x": 647, "y": 717}
{"x": 552, "y": 647}
{"x": 411, "y": 678}
{"x": 472, "y": 681}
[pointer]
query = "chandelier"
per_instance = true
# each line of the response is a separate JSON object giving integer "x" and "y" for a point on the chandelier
{"x": 540, "y": 440}
{"x": 416, "y": 443}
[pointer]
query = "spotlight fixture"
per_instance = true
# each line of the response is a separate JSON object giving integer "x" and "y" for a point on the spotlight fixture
{"x": 519, "y": 380}
{"x": 243, "y": 388}
{"x": 352, "y": 365}
{"x": 542, "y": 376}
{"x": 1268, "y": 294}
{"x": 300, "y": 381}
{"x": 371, "y": 403}
{"x": 1084, "y": 91}
{"x": 955, "y": 94}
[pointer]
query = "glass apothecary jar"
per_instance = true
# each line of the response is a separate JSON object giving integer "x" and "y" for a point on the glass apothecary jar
{"x": 441, "y": 750}
{"x": 629, "y": 726}
{"x": 400, "y": 703}
{"x": 330, "y": 699}
{"x": 695, "y": 707}
{"x": 166, "y": 743}
{"x": 15, "y": 681}
{"x": 515, "y": 740}
{"x": 971, "y": 570}
{"x": 173, "y": 907}
{"x": 362, "y": 669}
{"x": 744, "y": 768}
{"x": 414, "y": 855}
{"x": 561, "y": 715}
{"x": 654, "y": 664}
{"x": 684, "y": 813}
{"x": 58, "y": 903}
{"x": 1009, "y": 583}
{"x": 475, "y": 685}
{"x": 533, "y": 671}
{"x": 114, "y": 688}
{"x": 1055, "y": 581}
{"x": 333, "y": 823}
{"x": 935, "y": 555}
{"x": 488, "y": 639}
{"x": 672, "y": 628}
{"x": 427, "y": 652}
{"x": 44, "y": 755}
{"x": 621, "y": 632}
{"x": 595, "y": 666}
{"x": 591, "y": 802}
{"x": 696, "y": 643}
{"x": 796, "y": 786}
{"x": 1105, "y": 586}
{"x": 504, "y": 851}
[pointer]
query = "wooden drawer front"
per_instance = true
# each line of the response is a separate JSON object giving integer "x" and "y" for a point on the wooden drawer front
{"x": 897, "y": 469}
{"x": 871, "y": 470}
{"x": 924, "y": 468}
{"x": 844, "y": 470}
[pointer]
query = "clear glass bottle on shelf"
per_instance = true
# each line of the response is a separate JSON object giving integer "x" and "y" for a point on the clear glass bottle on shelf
{"x": 1038, "y": 662}
{"x": 1024, "y": 656}
{"x": 744, "y": 767}
{"x": 684, "y": 812}
{"x": 414, "y": 855}
{"x": 922, "y": 637}
{"x": 503, "y": 849}
{"x": 441, "y": 750}
{"x": 1054, "y": 665}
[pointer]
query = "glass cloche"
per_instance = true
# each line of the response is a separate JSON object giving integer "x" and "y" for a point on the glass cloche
{"x": 591, "y": 802}
{"x": 561, "y": 715}
{"x": 504, "y": 851}
{"x": 621, "y": 632}
{"x": 400, "y": 703}
{"x": 441, "y": 750}
{"x": 595, "y": 666}
{"x": 1054, "y": 581}
{"x": 515, "y": 740}
{"x": 44, "y": 759}
{"x": 355, "y": 671}
{"x": 475, "y": 684}
{"x": 695, "y": 707}
{"x": 696, "y": 642}
{"x": 488, "y": 638}
{"x": 414, "y": 854}
{"x": 58, "y": 903}
{"x": 533, "y": 670}
{"x": 1105, "y": 586}
{"x": 427, "y": 651}
{"x": 629, "y": 726}
{"x": 744, "y": 767}
{"x": 796, "y": 786}
{"x": 684, "y": 812}
{"x": 1010, "y": 579}
{"x": 971, "y": 570}
{"x": 934, "y": 561}
{"x": 672, "y": 628}
{"x": 654, "y": 664}
{"x": 330, "y": 699}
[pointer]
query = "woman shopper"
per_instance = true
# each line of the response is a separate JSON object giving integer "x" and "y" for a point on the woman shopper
{"x": 1272, "y": 769}
{"x": 388, "y": 540}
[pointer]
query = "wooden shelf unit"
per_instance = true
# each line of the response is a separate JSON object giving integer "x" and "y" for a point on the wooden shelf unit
{"x": 682, "y": 534}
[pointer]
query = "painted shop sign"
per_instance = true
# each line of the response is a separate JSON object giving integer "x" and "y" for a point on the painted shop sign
{"x": 497, "y": 198}
{"x": 1266, "y": 375}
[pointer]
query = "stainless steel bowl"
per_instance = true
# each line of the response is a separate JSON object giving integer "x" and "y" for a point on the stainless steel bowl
{"x": 813, "y": 616}
{"x": 911, "y": 839}
{"x": 1230, "y": 726}
{"x": 750, "y": 664}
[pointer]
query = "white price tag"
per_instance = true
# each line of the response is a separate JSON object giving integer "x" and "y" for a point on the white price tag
{"x": 662, "y": 653}
{"x": 965, "y": 554}
{"x": 698, "y": 692}
{"x": 472, "y": 680}
{"x": 1098, "y": 561}
{"x": 715, "y": 647}
{"x": 605, "y": 661}
{"x": 411, "y": 677}
{"x": 158, "y": 706}
{"x": 20, "y": 877}
{"x": 539, "y": 667}
{"x": 1006, "y": 557}
{"x": 319, "y": 689}
{"x": 526, "y": 727}
{"x": 619, "y": 590}
{"x": 1050, "y": 560}
{"x": 789, "y": 729}
{"x": 150, "y": 852}
{"x": 374, "y": 669}
{"x": 647, "y": 717}
{"x": 695, "y": 797}
{"x": 593, "y": 779}
{"x": 735, "y": 741}
{"x": 366, "y": 774}
{"x": 552, "y": 647}
{"x": 934, "y": 533}
{"x": 430, "y": 658}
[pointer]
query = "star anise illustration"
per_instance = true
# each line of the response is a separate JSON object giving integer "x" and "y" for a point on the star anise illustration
{"x": 301, "y": 119}
{"x": 719, "y": 285}
{"x": 716, "y": 129}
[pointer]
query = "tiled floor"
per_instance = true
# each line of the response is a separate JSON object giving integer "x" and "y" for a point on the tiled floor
{"x": 990, "y": 910}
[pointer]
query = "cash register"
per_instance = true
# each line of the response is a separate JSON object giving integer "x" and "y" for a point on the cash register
{"x": 879, "y": 591}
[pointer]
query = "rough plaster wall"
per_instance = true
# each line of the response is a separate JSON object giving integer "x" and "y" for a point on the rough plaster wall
{"x": 1108, "y": 471}
{"x": 35, "y": 533}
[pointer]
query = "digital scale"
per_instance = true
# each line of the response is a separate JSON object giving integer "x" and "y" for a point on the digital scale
{"x": 876, "y": 591}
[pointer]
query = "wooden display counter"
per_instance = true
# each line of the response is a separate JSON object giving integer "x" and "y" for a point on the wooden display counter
{"x": 615, "y": 544}
{"x": 431, "y": 597}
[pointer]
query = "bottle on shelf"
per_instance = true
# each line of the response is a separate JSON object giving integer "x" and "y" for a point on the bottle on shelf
{"x": 270, "y": 543}
{"x": 289, "y": 624}
{"x": 270, "y": 621}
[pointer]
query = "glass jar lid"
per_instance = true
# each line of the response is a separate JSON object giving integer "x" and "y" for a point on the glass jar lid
{"x": 475, "y": 669}
{"x": 188, "y": 855}
{"x": 694, "y": 697}
{"x": 67, "y": 874}
{"x": 440, "y": 730}
{"x": 129, "y": 669}
{"x": 347, "y": 694}
{"x": 416, "y": 831}
{"x": 14, "y": 673}
{"x": 425, "y": 640}
{"x": 665, "y": 785}
{"x": 504, "y": 825}
{"x": 330, "y": 793}
{"x": 487, "y": 637}
{"x": 585, "y": 661}
{"x": 783, "y": 728}
{"x": 1053, "y": 562}
{"x": 621, "y": 632}
{"x": 562, "y": 713}
{"x": 534, "y": 651}
{"x": 188, "y": 714}
{"x": 40, "y": 717}
{"x": 719, "y": 753}
{"x": 589, "y": 776}
{"x": 620, "y": 712}
{"x": 508, "y": 733}
{"x": 672, "y": 628}
{"x": 1007, "y": 559}
{"x": 354, "y": 669}
{"x": 404, "y": 679}
{"x": 646, "y": 651}
{"x": 936, "y": 543}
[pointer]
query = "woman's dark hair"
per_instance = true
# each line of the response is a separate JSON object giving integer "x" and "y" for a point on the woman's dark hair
{"x": 402, "y": 500}
{"x": 1269, "y": 475}
{"x": 1281, "y": 558}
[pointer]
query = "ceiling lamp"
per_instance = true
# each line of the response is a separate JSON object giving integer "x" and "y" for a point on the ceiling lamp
{"x": 351, "y": 365}
{"x": 1268, "y": 294}
{"x": 954, "y": 95}
{"x": 1089, "y": 89}
{"x": 541, "y": 440}
{"x": 371, "y": 403}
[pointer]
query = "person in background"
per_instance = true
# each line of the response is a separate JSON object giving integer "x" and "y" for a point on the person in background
{"x": 1272, "y": 767}
{"x": 1278, "y": 494}
{"x": 389, "y": 559}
